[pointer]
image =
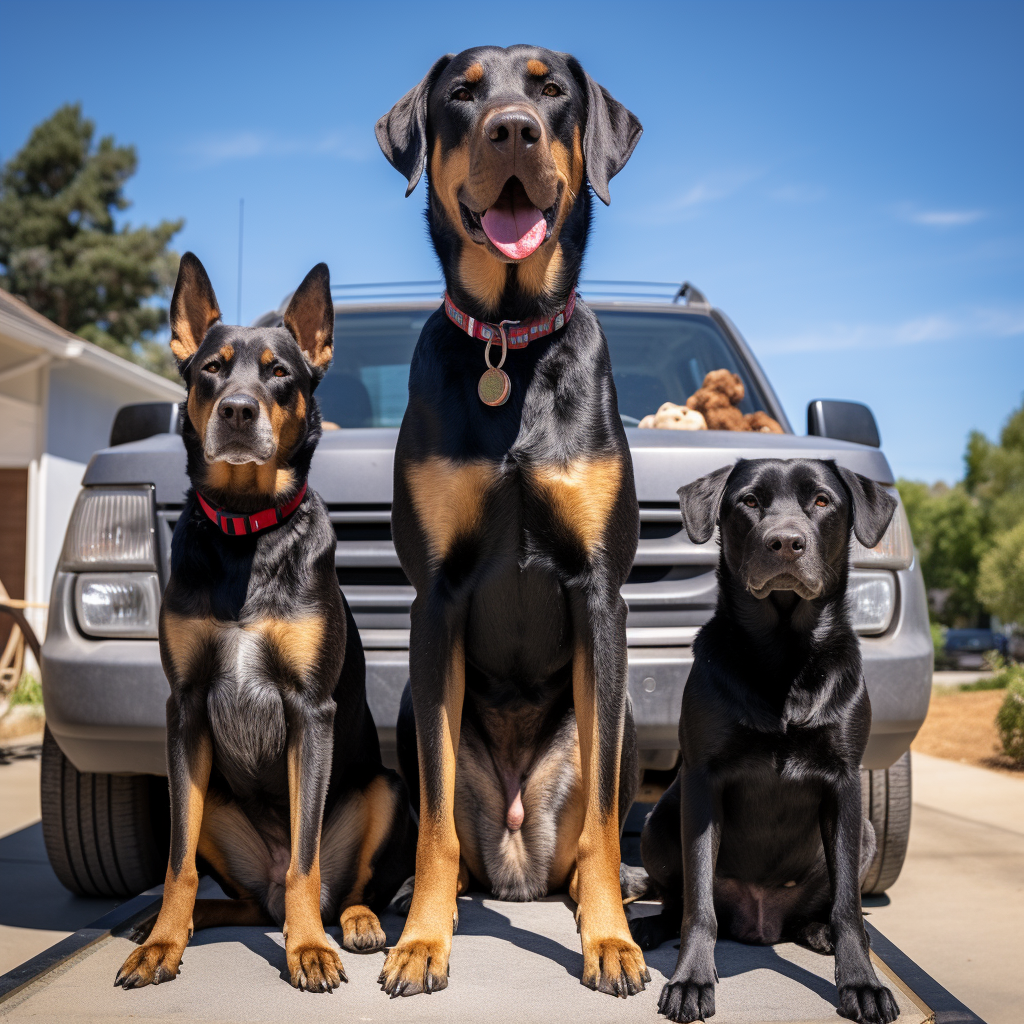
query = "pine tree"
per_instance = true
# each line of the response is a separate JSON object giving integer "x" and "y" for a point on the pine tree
{"x": 62, "y": 251}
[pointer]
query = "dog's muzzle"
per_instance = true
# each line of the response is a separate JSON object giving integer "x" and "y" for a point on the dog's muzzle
{"x": 239, "y": 432}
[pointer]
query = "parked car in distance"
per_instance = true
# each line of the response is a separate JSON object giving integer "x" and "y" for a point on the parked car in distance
{"x": 104, "y": 802}
{"x": 966, "y": 648}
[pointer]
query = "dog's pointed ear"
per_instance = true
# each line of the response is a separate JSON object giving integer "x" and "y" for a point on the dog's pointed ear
{"x": 310, "y": 318}
{"x": 701, "y": 502}
{"x": 871, "y": 507}
{"x": 402, "y": 131}
{"x": 610, "y": 136}
{"x": 194, "y": 308}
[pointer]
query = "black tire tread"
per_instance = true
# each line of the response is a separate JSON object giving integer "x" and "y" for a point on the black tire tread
{"x": 99, "y": 829}
{"x": 886, "y": 795}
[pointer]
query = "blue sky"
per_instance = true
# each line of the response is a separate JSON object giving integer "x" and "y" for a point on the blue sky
{"x": 844, "y": 180}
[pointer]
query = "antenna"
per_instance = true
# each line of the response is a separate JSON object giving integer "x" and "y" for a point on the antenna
{"x": 241, "y": 221}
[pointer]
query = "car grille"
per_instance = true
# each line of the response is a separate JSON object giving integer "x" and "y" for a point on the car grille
{"x": 670, "y": 591}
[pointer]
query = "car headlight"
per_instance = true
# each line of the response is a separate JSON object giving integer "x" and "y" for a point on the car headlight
{"x": 118, "y": 604}
{"x": 896, "y": 548}
{"x": 871, "y": 599}
{"x": 110, "y": 528}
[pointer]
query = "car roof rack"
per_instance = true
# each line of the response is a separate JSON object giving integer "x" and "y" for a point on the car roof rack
{"x": 590, "y": 288}
{"x": 391, "y": 291}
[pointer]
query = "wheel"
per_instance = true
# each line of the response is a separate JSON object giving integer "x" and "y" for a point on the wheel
{"x": 106, "y": 835}
{"x": 886, "y": 801}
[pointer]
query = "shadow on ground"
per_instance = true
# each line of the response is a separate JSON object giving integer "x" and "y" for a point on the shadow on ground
{"x": 31, "y": 895}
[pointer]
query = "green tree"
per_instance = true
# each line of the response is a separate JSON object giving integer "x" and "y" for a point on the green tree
{"x": 951, "y": 534}
{"x": 62, "y": 252}
{"x": 1001, "y": 576}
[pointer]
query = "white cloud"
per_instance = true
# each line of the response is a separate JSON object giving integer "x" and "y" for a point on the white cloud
{"x": 941, "y": 218}
{"x": 973, "y": 325}
{"x": 248, "y": 145}
{"x": 710, "y": 189}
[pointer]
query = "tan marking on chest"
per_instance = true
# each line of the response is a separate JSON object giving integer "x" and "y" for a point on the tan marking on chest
{"x": 449, "y": 499}
{"x": 582, "y": 494}
{"x": 296, "y": 640}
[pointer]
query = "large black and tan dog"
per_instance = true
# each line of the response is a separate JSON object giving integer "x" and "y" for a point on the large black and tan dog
{"x": 273, "y": 760}
{"x": 515, "y": 513}
{"x": 761, "y": 838}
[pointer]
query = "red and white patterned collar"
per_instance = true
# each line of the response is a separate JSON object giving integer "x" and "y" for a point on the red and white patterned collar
{"x": 237, "y": 525}
{"x": 518, "y": 333}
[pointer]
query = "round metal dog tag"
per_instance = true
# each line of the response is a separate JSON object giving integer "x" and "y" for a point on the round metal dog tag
{"x": 494, "y": 387}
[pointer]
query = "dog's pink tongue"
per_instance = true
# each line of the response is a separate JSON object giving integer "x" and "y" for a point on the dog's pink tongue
{"x": 514, "y": 224}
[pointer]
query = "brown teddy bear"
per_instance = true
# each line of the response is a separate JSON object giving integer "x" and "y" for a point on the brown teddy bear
{"x": 762, "y": 423}
{"x": 718, "y": 399}
{"x": 674, "y": 417}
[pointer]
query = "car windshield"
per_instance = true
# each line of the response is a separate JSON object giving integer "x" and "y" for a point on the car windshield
{"x": 656, "y": 358}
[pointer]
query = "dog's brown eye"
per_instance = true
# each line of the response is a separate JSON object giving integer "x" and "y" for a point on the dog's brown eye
{"x": 462, "y": 94}
{"x": 212, "y": 367}
{"x": 821, "y": 501}
{"x": 280, "y": 371}
{"x": 552, "y": 90}
{"x": 750, "y": 501}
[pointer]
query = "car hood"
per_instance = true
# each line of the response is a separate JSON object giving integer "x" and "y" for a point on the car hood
{"x": 356, "y": 466}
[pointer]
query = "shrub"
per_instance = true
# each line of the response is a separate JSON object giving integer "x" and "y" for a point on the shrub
{"x": 1010, "y": 720}
{"x": 28, "y": 691}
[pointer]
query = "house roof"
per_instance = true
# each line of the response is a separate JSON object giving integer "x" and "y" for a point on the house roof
{"x": 24, "y": 325}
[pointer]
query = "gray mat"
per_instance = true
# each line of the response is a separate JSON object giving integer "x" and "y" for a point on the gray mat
{"x": 511, "y": 962}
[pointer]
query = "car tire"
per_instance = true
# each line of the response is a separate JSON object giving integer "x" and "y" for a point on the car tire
{"x": 885, "y": 796}
{"x": 106, "y": 835}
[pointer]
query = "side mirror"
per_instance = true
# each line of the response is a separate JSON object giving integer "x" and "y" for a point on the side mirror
{"x": 144, "y": 419}
{"x": 844, "y": 421}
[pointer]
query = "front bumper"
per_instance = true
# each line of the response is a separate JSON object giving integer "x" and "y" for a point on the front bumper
{"x": 105, "y": 699}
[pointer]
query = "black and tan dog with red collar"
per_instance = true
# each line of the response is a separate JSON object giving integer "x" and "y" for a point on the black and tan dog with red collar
{"x": 515, "y": 514}
{"x": 274, "y": 766}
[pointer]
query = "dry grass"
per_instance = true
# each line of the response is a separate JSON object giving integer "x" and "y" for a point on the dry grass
{"x": 962, "y": 727}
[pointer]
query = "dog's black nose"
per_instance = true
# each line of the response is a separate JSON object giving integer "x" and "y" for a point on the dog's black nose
{"x": 790, "y": 544}
{"x": 239, "y": 410}
{"x": 507, "y": 127}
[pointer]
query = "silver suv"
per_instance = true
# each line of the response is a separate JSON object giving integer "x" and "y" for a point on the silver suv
{"x": 104, "y": 798}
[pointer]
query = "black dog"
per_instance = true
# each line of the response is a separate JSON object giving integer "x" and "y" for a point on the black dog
{"x": 515, "y": 513}
{"x": 273, "y": 761}
{"x": 774, "y": 723}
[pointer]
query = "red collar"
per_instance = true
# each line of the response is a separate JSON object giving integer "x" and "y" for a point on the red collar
{"x": 517, "y": 333}
{"x": 239, "y": 525}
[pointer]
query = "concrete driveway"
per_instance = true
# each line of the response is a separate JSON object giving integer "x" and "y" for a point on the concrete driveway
{"x": 956, "y": 908}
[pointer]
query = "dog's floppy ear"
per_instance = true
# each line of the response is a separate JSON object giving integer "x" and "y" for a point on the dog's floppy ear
{"x": 310, "y": 318}
{"x": 194, "y": 308}
{"x": 700, "y": 503}
{"x": 402, "y": 131}
{"x": 871, "y": 507}
{"x": 610, "y": 136}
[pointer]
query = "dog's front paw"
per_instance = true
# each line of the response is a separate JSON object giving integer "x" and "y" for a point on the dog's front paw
{"x": 687, "y": 1000}
{"x": 361, "y": 931}
{"x": 817, "y": 936}
{"x": 615, "y": 966}
{"x": 315, "y": 967}
{"x": 415, "y": 966}
{"x": 142, "y": 930}
{"x": 868, "y": 1004}
{"x": 151, "y": 964}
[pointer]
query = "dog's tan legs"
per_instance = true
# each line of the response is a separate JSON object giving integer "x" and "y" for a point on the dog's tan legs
{"x": 313, "y": 963}
{"x": 159, "y": 958}
{"x": 419, "y": 963}
{"x": 612, "y": 961}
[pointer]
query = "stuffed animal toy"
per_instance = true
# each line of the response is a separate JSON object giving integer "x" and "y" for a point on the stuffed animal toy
{"x": 675, "y": 417}
{"x": 713, "y": 407}
{"x": 717, "y": 401}
{"x": 762, "y": 423}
